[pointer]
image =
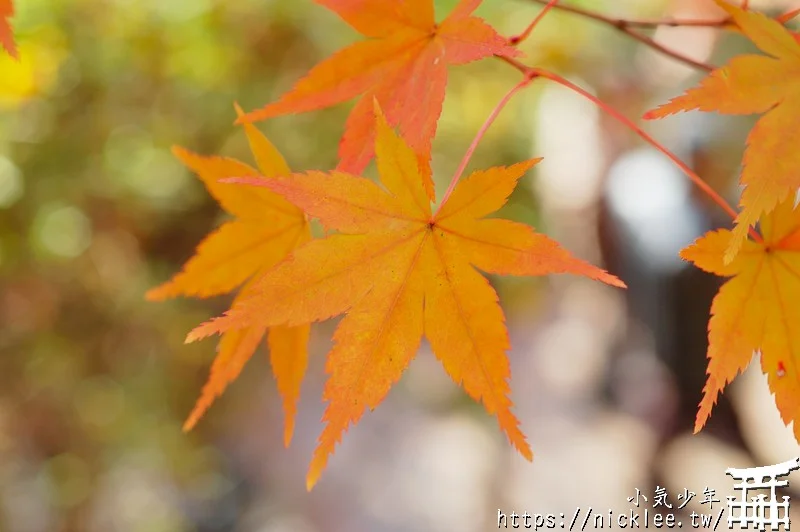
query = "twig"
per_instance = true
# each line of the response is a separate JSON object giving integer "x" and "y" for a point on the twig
{"x": 638, "y": 23}
{"x": 627, "y": 27}
{"x": 696, "y": 179}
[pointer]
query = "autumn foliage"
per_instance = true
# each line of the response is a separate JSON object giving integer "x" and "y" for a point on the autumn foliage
{"x": 757, "y": 310}
{"x": 752, "y": 84}
{"x": 403, "y": 64}
{"x": 266, "y": 229}
{"x": 402, "y": 266}
{"x": 399, "y": 271}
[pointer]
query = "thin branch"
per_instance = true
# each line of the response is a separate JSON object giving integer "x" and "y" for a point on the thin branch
{"x": 627, "y": 27}
{"x": 696, "y": 179}
{"x": 648, "y": 41}
{"x": 639, "y": 23}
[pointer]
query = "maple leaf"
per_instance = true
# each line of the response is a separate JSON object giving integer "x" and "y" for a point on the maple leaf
{"x": 751, "y": 84}
{"x": 400, "y": 272}
{"x": 755, "y": 310}
{"x": 6, "y": 35}
{"x": 403, "y": 65}
{"x": 265, "y": 230}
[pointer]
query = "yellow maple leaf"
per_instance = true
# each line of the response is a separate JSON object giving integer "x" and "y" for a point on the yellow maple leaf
{"x": 751, "y": 84}
{"x": 266, "y": 228}
{"x": 756, "y": 310}
{"x": 401, "y": 271}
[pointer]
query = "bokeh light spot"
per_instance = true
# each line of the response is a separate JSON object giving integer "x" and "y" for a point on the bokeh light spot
{"x": 62, "y": 230}
{"x": 11, "y": 184}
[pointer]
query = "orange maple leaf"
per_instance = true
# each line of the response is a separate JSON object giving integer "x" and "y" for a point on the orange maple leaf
{"x": 751, "y": 84}
{"x": 6, "y": 35}
{"x": 266, "y": 229}
{"x": 755, "y": 310}
{"x": 403, "y": 65}
{"x": 399, "y": 271}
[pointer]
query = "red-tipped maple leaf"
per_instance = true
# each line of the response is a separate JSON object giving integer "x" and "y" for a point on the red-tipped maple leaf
{"x": 265, "y": 230}
{"x": 6, "y": 36}
{"x": 751, "y": 84}
{"x": 756, "y": 310}
{"x": 400, "y": 271}
{"x": 403, "y": 65}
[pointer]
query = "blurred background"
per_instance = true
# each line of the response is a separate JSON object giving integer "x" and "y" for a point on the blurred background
{"x": 95, "y": 382}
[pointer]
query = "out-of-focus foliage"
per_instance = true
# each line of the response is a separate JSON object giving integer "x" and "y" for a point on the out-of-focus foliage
{"x": 95, "y": 382}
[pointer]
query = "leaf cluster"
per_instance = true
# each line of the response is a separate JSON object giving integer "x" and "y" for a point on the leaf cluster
{"x": 401, "y": 266}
